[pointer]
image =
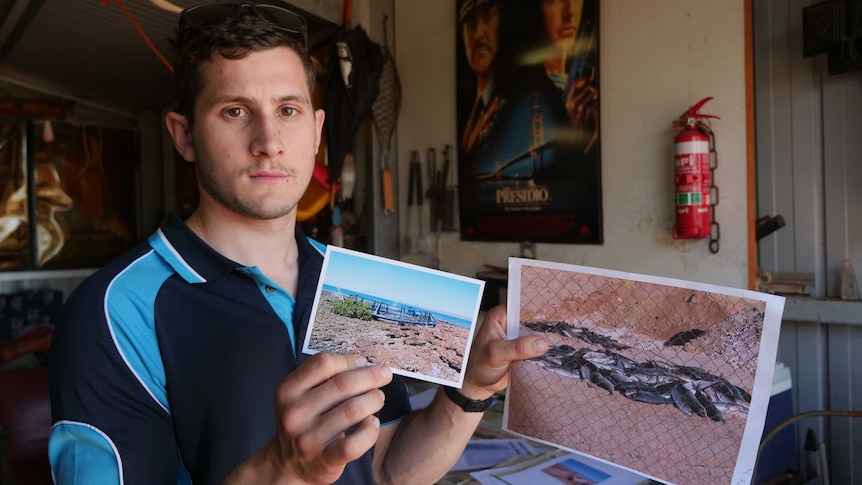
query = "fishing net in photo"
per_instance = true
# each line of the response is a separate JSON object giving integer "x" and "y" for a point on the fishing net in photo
{"x": 652, "y": 377}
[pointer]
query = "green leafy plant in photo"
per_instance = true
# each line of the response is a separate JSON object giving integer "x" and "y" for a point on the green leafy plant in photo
{"x": 353, "y": 307}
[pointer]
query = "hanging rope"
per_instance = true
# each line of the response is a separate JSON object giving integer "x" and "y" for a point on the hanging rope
{"x": 141, "y": 32}
{"x": 346, "y": 14}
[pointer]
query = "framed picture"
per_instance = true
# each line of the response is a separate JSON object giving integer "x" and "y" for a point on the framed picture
{"x": 79, "y": 181}
{"x": 821, "y": 27}
{"x": 528, "y": 120}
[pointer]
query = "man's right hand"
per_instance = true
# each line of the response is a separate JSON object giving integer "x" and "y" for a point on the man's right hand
{"x": 316, "y": 405}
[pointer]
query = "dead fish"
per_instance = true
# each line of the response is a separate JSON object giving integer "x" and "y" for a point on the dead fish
{"x": 692, "y": 390}
{"x": 556, "y": 354}
{"x": 625, "y": 363}
{"x": 600, "y": 359}
{"x": 649, "y": 397}
{"x": 565, "y": 371}
{"x": 658, "y": 365}
{"x": 737, "y": 392}
{"x": 574, "y": 362}
{"x": 709, "y": 410}
{"x": 685, "y": 401}
{"x": 654, "y": 379}
{"x": 560, "y": 350}
{"x": 682, "y": 338}
{"x": 731, "y": 408}
{"x": 585, "y": 373}
{"x": 619, "y": 377}
{"x": 591, "y": 337}
{"x": 600, "y": 380}
{"x": 559, "y": 328}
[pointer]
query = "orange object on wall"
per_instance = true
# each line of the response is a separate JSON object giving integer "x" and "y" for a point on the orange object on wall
{"x": 316, "y": 196}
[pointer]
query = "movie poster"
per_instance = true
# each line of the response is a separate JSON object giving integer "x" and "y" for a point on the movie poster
{"x": 528, "y": 121}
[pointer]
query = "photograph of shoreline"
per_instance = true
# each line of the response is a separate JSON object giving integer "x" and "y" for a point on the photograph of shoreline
{"x": 418, "y": 321}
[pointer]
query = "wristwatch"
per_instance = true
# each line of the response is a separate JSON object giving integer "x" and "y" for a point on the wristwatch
{"x": 465, "y": 403}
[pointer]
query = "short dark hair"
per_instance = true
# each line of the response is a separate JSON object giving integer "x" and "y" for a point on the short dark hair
{"x": 232, "y": 40}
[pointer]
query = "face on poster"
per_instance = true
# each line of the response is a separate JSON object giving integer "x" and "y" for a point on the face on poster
{"x": 528, "y": 120}
{"x": 418, "y": 321}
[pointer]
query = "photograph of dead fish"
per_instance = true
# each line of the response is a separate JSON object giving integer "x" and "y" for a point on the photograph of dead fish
{"x": 415, "y": 320}
{"x": 658, "y": 378}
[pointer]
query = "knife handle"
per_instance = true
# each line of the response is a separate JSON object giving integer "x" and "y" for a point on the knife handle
{"x": 388, "y": 200}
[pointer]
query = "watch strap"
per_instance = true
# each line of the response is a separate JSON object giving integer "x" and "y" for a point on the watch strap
{"x": 465, "y": 403}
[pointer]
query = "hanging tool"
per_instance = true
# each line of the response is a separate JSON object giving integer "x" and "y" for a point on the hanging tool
{"x": 422, "y": 244}
{"x": 442, "y": 189}
{"x": 450, "y": 192}
{"x": 440, "y": 197}
{"x": 348, "y": 177}
{"x": 352, "y": 83}
{"x": 385, "y": 110}
{"x": 412, "y": 192}
{"x": 431, "y": 193}
{"x": 336, "y": 234}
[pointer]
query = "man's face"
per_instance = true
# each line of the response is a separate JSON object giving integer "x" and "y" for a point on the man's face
{"x": 480, "y": 37}
{"x": 562, "y": 20}
{"x": 256, "y": 133}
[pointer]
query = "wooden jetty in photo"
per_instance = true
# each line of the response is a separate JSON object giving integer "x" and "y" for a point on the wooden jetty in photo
{"x": 401, "y": 314}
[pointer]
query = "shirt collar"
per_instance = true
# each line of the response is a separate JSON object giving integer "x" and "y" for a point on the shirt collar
{"x": 196, "y": 261}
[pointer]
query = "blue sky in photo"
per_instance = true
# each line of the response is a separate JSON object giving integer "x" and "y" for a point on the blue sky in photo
{"x": 404, "y": 284}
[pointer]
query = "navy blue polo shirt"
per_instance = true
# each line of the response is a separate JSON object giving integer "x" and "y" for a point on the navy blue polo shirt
{"x": 165, "y": 362}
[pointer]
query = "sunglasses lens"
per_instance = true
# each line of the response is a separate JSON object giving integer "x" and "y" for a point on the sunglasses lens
{"x": 283, "y": 18}
{"x": 210, "y": 15}
{"x": 203, "y": 17}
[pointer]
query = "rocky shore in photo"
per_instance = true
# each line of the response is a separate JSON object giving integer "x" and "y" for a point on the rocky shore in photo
{"x": 436, "y": 352}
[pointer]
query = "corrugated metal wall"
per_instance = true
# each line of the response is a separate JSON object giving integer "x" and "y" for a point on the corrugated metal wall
{"x": 809, "y": 170}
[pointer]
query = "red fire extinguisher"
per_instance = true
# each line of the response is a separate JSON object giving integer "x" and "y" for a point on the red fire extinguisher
{"x": 694, "y": 162}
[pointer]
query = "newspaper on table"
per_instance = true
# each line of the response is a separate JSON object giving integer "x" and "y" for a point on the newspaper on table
{"x": 558, "y": 467}
{"x": 667, "y": 378}
{"x": 489, "y": 452}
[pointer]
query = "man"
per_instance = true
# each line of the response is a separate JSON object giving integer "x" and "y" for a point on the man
{"x": 165, "y": 363}
{"x": 480, "y": 20}
{"x": 566, "y": 64}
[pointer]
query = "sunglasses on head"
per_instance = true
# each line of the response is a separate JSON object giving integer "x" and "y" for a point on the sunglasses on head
{"x": 207, "y": 16}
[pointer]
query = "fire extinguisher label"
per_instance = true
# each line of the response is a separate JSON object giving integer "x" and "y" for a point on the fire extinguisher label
{"x": 691, "y": 147}
{"x": 689, "y": 198}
